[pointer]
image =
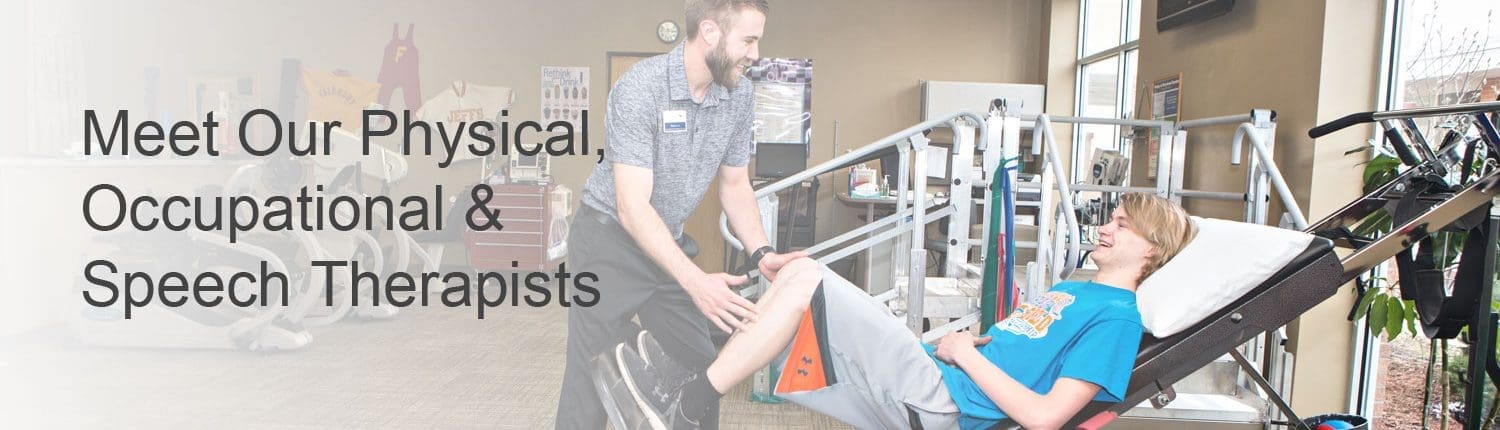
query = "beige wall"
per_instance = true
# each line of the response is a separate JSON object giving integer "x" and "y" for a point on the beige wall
{"x": 1260, "y": 55}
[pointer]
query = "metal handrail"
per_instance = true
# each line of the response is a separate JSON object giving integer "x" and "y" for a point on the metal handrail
{"x": 1268, "y": 164}
{"x": 840, "y": 161}
{"x": 1043, "y": 139}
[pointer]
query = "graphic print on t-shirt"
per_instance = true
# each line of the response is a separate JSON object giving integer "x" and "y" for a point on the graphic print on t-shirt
{"x": 1031, "y": 319}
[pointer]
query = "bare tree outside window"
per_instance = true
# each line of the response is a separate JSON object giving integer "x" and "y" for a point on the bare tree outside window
{"x": 1449, "y": 53}
{"x": 1446, "y": 52}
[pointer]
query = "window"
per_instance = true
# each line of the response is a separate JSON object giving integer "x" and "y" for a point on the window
{"x": 1107, "y": 49}
{"x": 1438, "y": 52}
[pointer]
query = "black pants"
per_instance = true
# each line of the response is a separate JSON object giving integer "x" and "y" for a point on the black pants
{"x": 630, "y": 285}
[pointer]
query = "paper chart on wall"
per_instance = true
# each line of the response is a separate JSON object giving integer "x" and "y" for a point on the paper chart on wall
{"x": 565, "y": 95}
{"x": 783, "y": 99}
{"x": 1166, "y": 105}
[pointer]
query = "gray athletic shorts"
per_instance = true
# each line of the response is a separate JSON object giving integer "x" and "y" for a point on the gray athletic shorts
{"x": 882, "y": 377}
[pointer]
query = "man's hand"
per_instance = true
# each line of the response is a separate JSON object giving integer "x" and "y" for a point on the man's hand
{"x": 958, "y": 344}
{"x": 722, "y": 306}
{"x": 773, "y": 262}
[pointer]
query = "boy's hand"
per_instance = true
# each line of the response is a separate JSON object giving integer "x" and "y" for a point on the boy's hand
{"x": 958, "y": 344}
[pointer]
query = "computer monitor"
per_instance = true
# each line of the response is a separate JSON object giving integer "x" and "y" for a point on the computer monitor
{"x": 779, "y": 160}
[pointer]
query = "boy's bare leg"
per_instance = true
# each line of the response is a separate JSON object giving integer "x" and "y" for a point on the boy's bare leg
{"x": 761, "y": 341}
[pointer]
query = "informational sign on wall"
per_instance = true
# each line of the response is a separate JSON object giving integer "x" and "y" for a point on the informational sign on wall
{"x": 1166, "y": 104}
{"x": 565, "y": 95}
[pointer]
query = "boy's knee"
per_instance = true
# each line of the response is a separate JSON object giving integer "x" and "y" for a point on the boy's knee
{"x": 799, "y": 271}
{"x": 800, "y": 278}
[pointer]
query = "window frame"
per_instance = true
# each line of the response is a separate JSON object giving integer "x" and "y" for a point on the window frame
{"x": 1124, "y": 108}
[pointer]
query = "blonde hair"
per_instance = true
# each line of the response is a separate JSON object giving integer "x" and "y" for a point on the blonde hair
{"x": 720, "y": 11}
{"x": 1162, "y": 223}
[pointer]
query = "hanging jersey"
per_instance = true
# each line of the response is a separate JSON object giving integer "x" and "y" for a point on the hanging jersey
{"x": 398, "y": 69}
{"x": 333, "y": 97}
{"x": 466, "y": 102}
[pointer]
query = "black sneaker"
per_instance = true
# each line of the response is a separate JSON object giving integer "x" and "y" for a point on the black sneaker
{"x": 657, "y": 358}
{"x": 659, "y": 399}
{"x": 619, "y": 405}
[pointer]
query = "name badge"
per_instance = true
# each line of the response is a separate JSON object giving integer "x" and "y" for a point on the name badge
{"x": 673, "y": 121}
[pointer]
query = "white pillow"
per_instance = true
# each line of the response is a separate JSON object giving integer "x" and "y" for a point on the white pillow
{"x": 1223, "y": 262}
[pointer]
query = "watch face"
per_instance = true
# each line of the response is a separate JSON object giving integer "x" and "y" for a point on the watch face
{"x": 667, "y": 31}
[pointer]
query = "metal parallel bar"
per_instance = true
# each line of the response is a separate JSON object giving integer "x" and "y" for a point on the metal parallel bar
{"x": 1258, "y": 205}
{"x": 1063, "y": 265}
{"x": 1209, "y": 122}
{"x": 1216, "y": 195}
{"x": 1261, "y": 121}
{"x": 861, "y": 230}
{"x": 1270, "y": 392}
{"x": 1112, "y": 188}
{"x": 1253, "y": 179}
{"x": 1262, "y": 191}
{"x": 960, "y": 195}
{"x": 1268, "y": 164}
{"x": 905, "y": 170}
{"x": 916, "y": 284}
{"x": 833, "y": 164}
{"x": 973, "y": 270}
{"x": 870, "y": 241}
{"x": 1044, "y": 216}
{"x": 1054, "y": 161}
{"x": 952, "y": 326}
{"x": 1102, "y": 121}
{"x": 1169, "y": 172}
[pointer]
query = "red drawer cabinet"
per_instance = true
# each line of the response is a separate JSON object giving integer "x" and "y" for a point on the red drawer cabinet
{"x": 527, "y": 213}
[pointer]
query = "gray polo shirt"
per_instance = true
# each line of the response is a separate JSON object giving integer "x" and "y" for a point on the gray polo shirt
{"x": 654, "y": 123}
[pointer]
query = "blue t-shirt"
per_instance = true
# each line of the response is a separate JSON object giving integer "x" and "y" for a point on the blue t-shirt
{"x": 1081, "y": 330}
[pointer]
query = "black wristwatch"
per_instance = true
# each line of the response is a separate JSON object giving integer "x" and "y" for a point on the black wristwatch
{"x": 754, "y": 260}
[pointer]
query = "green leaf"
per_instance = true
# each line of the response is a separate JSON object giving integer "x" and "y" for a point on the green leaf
{"x": 1378, "y": 221}
{"x": 1452, "y": 246}
{"x": 1379, "y": 171}
{"x": 1364, "y": 303}
{"x": 1393, "y": 320}
{"x": 1377, "y": 318}
{"x": 1411, "y": 317}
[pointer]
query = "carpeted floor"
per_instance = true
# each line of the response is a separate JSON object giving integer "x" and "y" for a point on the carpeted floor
{"x": 426, "y": 368}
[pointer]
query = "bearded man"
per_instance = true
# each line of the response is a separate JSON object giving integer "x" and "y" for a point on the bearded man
{"x": 675, "y": 123}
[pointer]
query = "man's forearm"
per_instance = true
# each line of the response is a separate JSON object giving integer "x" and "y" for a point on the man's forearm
{"x": 653, "y": 237}
{"x": 738, "y": 199}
